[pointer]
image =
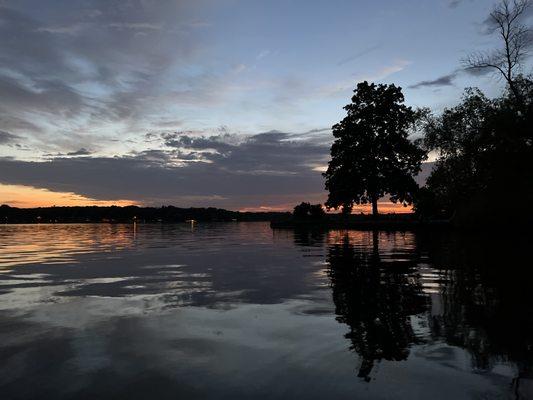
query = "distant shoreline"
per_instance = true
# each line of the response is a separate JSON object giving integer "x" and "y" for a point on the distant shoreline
{"x": 129, "y": 214}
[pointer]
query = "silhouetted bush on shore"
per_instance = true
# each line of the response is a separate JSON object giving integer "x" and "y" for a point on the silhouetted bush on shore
{"x": 308, "y": 212}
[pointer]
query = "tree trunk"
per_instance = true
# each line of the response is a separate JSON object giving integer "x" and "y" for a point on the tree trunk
{"x": 375, "y": 243}
{"x": 374, "y": 207}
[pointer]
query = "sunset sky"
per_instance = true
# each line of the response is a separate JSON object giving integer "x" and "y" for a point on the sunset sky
{"x": 225, "y": 103}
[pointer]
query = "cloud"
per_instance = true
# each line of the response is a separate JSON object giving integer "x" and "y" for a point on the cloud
{"x": 49, "y": 96}
{"x": 269, "y": 153}
{"x": 239, "y": 68}
{"x": 448, "y": 79}
{"x": 456, "y": 3}
{"x": 82, "y": 66}
{"x": 381, "y": 73}
{"x": 397, "y": 66}
{"x": 360, "y": 54}
{"x": 81, "y": 152}
{"x": 6, "y": 137}
{"x": 262, "y": 54}
{"x": 478, "y": 71}
{"x": 142, "y": 26}
{"x": 224, "y": 170}
{"x": 445, "y": 80}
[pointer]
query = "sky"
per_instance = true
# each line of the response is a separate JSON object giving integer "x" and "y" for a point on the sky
{"x": 224, "y": 103}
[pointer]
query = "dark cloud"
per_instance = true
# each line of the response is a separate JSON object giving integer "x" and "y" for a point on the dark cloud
{"x": 478, "y": 71}
{"x": 233, "y": 172}
{"x": 185, "y": 140}
{"x": 448, "y": 79}
{"x": 273, "y": 153}
{"x": 53, "y": 97}
{"x": 6, "y": 137}
{"x": 90, "y": 61}
{"x": 445, "y": 80}
{"x": 81, "y": 152}
{"x": 18, "y": 124}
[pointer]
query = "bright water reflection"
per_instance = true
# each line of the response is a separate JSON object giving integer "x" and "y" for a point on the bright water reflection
{"x": 240, "y": 311}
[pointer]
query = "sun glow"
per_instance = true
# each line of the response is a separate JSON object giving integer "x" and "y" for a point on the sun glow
{"x": 385, "y": 207}
{"x": 28, "y": 196}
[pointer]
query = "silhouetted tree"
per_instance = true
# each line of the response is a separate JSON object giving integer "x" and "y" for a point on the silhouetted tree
{"x": 305, "y": 211}
{"x": 301, "y": 211}
{"x": 484, "y": 171}
{"x": 372, "y": 155}
{"x": 506, "y": 21}
{"x": 485, "y": 156}
{"x": 316, "y": 211}
{"x": 459, "y": 137}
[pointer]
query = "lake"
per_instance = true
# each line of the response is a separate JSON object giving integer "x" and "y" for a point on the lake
{"x": 238, "y": 310}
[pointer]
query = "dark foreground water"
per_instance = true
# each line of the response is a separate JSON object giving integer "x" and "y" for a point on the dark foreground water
{"x": 240, "y": 311}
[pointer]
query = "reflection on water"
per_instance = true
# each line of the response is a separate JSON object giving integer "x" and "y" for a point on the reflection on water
{"x": 376, "y": 298}
{"x": 24, "y": 244}
{"x": 236, "y": 310}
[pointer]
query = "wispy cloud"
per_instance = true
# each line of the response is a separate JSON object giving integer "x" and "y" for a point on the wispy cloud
{"x": 136, "y": 25}
{"x": 358, "y": 55}
{"x": 380, "y": 74}
{"x": 456, "y": 3}
{"x": 262, "y": 54}
{"x": 6, "y": 137}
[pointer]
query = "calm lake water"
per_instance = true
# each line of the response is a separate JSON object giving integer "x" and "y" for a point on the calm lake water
{"x": 237, "y": 310}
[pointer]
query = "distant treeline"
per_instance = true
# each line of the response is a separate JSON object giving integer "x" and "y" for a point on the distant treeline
{"x": 165, "y": 214}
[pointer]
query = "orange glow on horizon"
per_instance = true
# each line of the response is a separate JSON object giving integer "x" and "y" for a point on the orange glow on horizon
{"x": 385, "y": 207}
{"x": 29, "y": 197}
{"x": 282, "y": 208}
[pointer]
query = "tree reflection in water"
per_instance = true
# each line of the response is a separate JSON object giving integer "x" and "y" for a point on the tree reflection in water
{"x": 470, "y": 291}
{"x": 486, "y": 299}
{"x": 375, "y": 299}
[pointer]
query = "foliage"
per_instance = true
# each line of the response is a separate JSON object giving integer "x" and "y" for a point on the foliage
{"x": 485, "y": 157}
{"x": 485, "y": 146}
{"x": 305, "y": 211}
{"x": 372, "y": 155}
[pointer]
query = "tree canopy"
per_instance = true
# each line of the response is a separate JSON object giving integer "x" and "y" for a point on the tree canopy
{"x": 372, "y": 154}
{"x": 307, "y": 211}
{"x": 484, "y": 171}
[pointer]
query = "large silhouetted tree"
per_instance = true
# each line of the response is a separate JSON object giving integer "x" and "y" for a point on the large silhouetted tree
{"x": 372, "y": 155}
